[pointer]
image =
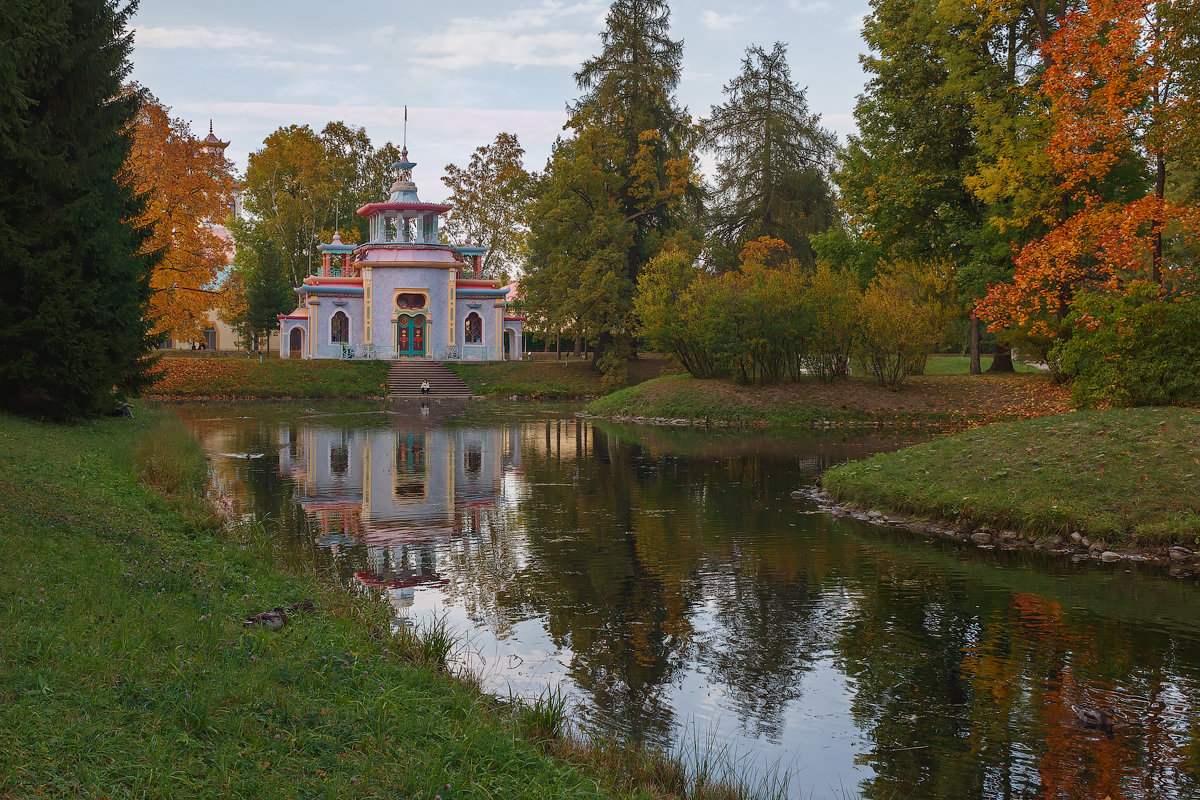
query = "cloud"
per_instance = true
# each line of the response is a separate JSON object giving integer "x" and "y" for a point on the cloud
{"x": 854, "y": 24}
{"x": 808, "y": 8}
{"x": 251, "y": 61}
{"x": 720, "y": 22}
{"x": 436, "y": 136}
{"x": 223, "y": 38}
{"x": 552, "y": 34}
{"x": 200, "y": 36}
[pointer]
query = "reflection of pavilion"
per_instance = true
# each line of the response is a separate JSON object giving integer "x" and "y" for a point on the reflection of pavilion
{"x": 403, "y": 492}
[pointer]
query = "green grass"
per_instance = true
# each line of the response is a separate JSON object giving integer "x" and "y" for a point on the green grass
{"x": 551, "y": 380}
{"x": 936, "y": 399}
{"x": 1125, "y": 477}
{"x": 125, "y": 669}
{"x": 681, "y": 397}
{"x": 184, "y": 377}
{"x": 961, "y": 365}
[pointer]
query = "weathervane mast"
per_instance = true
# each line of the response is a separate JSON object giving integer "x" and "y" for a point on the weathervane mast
{"x": 404, "y": 142}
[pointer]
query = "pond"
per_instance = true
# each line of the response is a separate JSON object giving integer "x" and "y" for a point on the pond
{"x": 665, "y": 581}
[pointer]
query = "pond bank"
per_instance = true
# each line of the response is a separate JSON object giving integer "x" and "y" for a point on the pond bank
{"x": 941, "y": 400}
{"x": 1106, "y": 485}
{"x": 197, "y": 378}
{"x": 126, "y": 660}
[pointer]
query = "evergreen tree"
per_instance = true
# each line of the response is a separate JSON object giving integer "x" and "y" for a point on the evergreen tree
{"x": 76, "y": 287}
{"x": 903, "y": 177}
{"x": 773, "y": 158}
{"x": 629, "y": 88}
{"x": 611, "y": 194}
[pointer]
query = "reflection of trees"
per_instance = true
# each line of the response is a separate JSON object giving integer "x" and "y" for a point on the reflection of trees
{"x": 967, "y": 692}
{"x": 644, "y": 565}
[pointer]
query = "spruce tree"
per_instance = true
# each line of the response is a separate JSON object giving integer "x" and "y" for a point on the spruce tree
{"x": 75, "y": 286}
{"x": 773, "y": 158}
{"x": 629, "y": 88}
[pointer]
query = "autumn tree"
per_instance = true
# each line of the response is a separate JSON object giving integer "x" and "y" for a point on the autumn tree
{"x": 491, "y": 199}
{"x": 301, "y": 186}
{"x": 1121, "y": 102}
{"x": 76, "y": 288}
{"x": 578, "y": 279}
{"x": 773, "y": 158}
{"x": 189, "y": 192}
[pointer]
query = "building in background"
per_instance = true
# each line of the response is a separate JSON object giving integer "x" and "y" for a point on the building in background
{"x": 403, "y": 294}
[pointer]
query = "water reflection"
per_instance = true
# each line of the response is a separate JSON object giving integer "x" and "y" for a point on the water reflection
{"x": 665, "y": 579}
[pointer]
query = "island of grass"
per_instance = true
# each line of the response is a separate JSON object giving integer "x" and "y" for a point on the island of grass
{"x": 189, "y": 377}
{"x": 935, "y": 399}
{"x": 126, "y": 667}
{"x": 1123, "y": 478}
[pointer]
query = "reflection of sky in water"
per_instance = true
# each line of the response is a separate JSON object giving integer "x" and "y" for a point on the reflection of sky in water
{"x": 670, "y": 588}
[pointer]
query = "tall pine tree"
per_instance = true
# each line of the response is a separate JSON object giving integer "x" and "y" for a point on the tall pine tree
{"x": 76, "y": 288}
{"x": 630, "y": 89}
{"x": 773, "y": 158}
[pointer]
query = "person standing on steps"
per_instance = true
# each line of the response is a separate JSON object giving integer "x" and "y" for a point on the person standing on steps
{"x": 425, "y": 387}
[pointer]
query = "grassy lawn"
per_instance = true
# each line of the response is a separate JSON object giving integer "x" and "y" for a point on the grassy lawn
{"x": 184, "y": 377}
{"x": 1126, "y": 477}
{"x": 549, "y": 379}
{"x": 961, "y": 365}
{"x": 126, "y": 670}
{"x": 949, "y": 399}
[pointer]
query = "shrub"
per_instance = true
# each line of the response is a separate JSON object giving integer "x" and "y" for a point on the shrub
{"x": 904, "y": 315}
{"x": 1138, "y": 349}
{"x": 834, "y": 299}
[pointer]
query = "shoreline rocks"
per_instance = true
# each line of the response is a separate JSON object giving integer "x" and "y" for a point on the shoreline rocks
{"x": 1178, "y": 561}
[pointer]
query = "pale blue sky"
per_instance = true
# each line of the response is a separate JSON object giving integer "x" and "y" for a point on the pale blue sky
{"x": 467, "y": 69}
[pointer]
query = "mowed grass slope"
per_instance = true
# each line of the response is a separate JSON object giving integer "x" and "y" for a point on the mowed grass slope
{"x": 1126, "y": 477}
{"x": 126, "y": 671}
{"x": 947, "y": 399}
{"x": 189, "y": 377}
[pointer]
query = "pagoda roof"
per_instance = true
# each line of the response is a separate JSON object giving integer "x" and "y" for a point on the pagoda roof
{"x": 371, "y": 208}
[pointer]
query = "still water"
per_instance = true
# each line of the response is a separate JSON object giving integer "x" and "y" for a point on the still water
{"x": 665, "y": 582}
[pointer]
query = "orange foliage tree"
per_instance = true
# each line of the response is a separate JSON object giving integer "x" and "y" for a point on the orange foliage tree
{"x": 1120, "y": 98}
{"x": 188, "y": 190}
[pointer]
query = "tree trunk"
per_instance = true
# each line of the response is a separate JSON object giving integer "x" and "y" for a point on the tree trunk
{"x": 578, "y": 351}
{"x": 1160, "y": 191}
{"x": 558, "y": 346}
{"x": 976, "y": 368}
{"x": 1002, "y": 362}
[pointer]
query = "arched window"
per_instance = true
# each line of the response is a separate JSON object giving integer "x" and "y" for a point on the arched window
{"x": 339, "y": 328}
{"x": 474, "y": 329}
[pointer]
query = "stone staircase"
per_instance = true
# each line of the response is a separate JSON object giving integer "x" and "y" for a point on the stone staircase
{"x": 405, "y": 376}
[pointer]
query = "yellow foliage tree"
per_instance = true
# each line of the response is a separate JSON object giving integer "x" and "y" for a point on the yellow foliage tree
{"x": 188, "y": 190}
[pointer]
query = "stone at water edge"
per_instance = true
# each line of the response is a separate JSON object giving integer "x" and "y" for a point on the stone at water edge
{"x": 981, "y": 537}
{"x": 1109, "y": 555}
{"x": 1076, "y": 537}
{"x": 1179, "y": 553}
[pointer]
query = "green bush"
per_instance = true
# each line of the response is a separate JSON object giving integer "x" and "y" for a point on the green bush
{"x": 903, "y": 316}
{"x": 1138, "y": 349}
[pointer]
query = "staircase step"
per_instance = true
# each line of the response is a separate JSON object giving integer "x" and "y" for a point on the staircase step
{"x": 405, "y": 377}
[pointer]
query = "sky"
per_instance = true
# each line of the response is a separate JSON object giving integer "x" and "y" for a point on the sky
{"x": 466, "y": 69}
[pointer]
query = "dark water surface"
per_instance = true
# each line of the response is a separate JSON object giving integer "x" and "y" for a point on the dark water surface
{"x": 666, "y": 582}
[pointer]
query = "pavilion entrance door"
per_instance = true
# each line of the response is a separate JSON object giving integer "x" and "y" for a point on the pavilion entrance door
{"x": 410, "y": 336}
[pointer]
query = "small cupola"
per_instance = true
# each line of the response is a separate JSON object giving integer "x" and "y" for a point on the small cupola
{"x": 403, "y": 190}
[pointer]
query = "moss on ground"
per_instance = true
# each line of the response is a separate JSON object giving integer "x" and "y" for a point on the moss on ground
{"x": 1127, "y": 477}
